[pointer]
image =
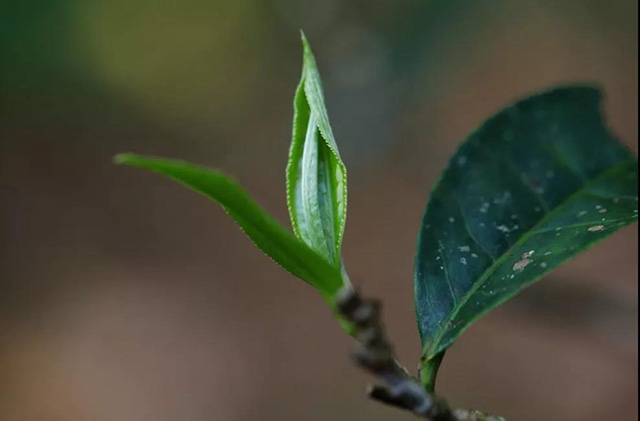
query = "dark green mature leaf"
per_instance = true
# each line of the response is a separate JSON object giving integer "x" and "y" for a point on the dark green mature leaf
{"x": 316, "y": 176}
{"x": 536, "y": 184}
{"x": 291, "y": 253}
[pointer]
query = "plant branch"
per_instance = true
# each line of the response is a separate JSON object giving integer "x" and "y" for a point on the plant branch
{"x": 377, "y": 357}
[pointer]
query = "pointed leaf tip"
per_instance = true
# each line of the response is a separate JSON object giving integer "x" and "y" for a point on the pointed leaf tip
{"x": 306, "y": 47}
{"x": 121, "y": 158}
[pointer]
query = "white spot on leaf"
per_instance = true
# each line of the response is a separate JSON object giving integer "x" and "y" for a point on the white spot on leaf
{"x": 502, "y": 228}
{"x": 518, "y": 266}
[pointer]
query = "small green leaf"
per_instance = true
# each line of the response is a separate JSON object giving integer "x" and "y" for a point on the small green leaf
{"x": 316, "y": 176}
{"x": 282, "y": 246}
{"x": 535, "y": 185}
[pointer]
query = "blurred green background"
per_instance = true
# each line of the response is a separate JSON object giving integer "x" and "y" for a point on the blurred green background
{"x": 126, "y": 297}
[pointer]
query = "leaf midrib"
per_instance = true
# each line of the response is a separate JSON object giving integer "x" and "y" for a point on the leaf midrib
{"x": 433, "y": 349}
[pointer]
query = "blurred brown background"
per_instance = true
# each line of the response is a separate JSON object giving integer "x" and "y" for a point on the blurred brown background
{"x": 126, "y": 297}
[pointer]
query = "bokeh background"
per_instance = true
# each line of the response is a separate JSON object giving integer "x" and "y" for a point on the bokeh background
{"x": 126, "y": 297}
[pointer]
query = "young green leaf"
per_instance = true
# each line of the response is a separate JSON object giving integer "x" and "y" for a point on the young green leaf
{"x": 316, "y": 176}
{"x": 536, "y": 184}
{"x": 289, "y": 252}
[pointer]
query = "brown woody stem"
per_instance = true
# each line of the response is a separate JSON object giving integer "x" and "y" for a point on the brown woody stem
{"x": 376, "y": 356}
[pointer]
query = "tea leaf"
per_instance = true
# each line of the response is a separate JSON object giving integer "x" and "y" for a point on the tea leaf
{"x": 316, "y": 176}
{"x": 282, "y": 246}
{"x": 535, "y": 185}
